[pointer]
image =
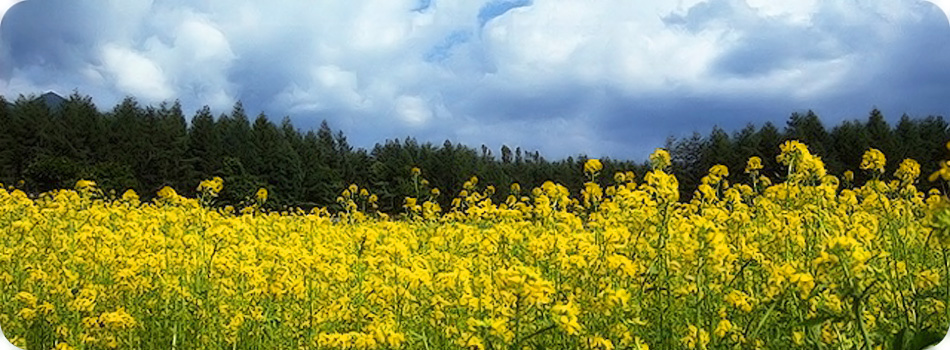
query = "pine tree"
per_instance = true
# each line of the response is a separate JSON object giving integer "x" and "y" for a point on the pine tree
{"x": 879, "y": 131}
{"x": 808, "y": 129}
{"x": 205, "y": 149}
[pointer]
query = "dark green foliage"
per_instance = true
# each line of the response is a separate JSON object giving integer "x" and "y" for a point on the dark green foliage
{"x": 850, "y": 141}
{"x": 205, "y": 147}
{"x": 113, "y": 176}
{"x": 240, "y": 184}
{"x": 51, "y": 145}
{"x": 26, "y": 130}
{"x": 52, "y": 172}
{"x": 920, "y": 139}
{"x": 808, "y": 128}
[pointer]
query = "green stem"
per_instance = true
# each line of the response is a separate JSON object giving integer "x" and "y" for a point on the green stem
{"x": 766, "y": 317}
{"x": 859, "y": 313}
{"x": 537, "y": 332}
{"x": 517, "y": 317}
{"x": 946, "y": 271}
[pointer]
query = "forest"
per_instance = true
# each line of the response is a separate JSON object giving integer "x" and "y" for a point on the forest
{"x": 48, "y": 142}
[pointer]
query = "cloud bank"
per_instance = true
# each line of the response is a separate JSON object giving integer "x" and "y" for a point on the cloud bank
{"x": 606, "y": 78}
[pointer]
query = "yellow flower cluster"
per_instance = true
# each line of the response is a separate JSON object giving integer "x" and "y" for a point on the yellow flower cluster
{"x": 802, "y": 165}
{"x": 85, "y": 184}
{"x": 802, "y": 263}
{"x": 592, "y": 166}
{"x": 660, "y": 159}
{"x": 211, "y": 187}
{"x": 873, "y": 160}
{"x": 753, "y": 165}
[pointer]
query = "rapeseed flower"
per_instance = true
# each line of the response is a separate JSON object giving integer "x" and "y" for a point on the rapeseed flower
{"x": 873, "y": 160}
{"x": 660, "y": 159}
{"x": 593, "y": 166}
{"x": 753, "y": 165}
{"x": 908, "y": 171}
{"x": 740, "y": 265}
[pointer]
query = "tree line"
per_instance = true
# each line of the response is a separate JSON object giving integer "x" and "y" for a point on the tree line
{"x": 840, "y": 148}
{"x": 46, "y": 146}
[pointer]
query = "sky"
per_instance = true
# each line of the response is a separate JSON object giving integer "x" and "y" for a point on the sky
{"x": 605, "y": 78}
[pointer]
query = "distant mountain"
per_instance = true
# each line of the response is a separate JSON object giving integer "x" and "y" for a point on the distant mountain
{"x": 52, "y": 100}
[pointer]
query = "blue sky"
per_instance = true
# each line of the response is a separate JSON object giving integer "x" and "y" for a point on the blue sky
{"x": 602, "y": 78}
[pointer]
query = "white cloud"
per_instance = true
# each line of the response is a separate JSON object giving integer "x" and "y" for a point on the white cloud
{"x": 202, "y": 41}
{"x": 413, "y": 110}
{"x": 136, "y": 74}
{"x": 798, "y": 12}
{"x": 200, "y": 59}
{"x": 6, "y": 5}
{"x": 944, "y": 6}
{"x": 329, "y": 88}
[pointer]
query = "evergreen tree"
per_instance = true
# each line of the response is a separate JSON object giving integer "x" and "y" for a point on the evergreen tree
{"x": 505, "y": 154}
{"x": 171, "y": 135}
{"x": 769, "y": 140}
{"x": 747, "y": 144}
{"x": 317, "y": 182}
{"x": 235, "y": 133}
{"x": 687, "y": 162}
{"x": 84, "y": 129}
{"x": 809, "y": 130}
{"x": 205, "y": 149}
{"x": 28, "y": 122}
{"x": 719, "y": 149}
{"x": 850, "y": 141}
{"x": 879, "y": 131}
{"x": 907, "y": 139}
{"x": 7, "y": 175}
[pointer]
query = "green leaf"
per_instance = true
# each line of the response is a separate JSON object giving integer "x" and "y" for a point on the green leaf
{"x": 898, "y": 342}
{"x": 925, "y": 338}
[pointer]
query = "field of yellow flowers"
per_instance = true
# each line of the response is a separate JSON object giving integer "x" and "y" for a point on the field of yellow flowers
{"x": 811, "y": 262}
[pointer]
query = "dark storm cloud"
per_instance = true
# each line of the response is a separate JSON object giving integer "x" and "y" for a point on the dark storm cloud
{"x": 32, "y": 35}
